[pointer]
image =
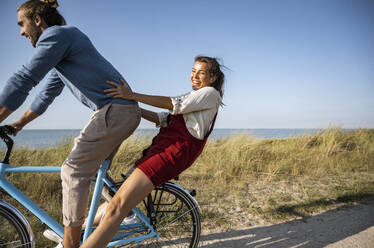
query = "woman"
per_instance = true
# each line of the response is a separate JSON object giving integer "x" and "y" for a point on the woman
{"x": 180, "y": 141}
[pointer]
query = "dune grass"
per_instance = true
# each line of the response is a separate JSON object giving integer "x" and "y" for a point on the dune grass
{"x": 240, "y": 181}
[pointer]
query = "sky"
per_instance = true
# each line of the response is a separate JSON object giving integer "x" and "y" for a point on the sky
{"x": 292, "y": 63}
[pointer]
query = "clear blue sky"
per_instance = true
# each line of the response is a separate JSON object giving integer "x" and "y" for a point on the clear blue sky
{"x": 294, "y": 64}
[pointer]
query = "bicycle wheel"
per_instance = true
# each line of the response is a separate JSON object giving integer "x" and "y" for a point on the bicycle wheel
{"x": 13, "y": 233}
{"x": 177, "y": 217}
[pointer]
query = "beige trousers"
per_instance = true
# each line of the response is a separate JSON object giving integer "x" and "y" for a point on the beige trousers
{"x": 98, "y": 140}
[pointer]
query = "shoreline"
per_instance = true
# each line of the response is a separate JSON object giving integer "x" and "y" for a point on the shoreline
{"x": 47, "y": 138}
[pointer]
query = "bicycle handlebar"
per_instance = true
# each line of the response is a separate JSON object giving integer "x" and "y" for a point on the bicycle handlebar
{"x": 5, "y": 131}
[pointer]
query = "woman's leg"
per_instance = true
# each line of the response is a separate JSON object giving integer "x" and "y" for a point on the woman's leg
{"x": 132, "y": 191}
{"x": 107, "y": 197}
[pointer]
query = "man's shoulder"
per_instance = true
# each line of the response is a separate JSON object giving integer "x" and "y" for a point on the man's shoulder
{"x": 61, "y": 30}
{"x": 62, "y": 33}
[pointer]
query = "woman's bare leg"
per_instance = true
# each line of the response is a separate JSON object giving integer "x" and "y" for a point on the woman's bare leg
{"x": 106, "y": 196}
{"x": 132, "y": 191}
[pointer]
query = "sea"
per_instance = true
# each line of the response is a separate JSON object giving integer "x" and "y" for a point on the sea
{"x": 51, "y": 137}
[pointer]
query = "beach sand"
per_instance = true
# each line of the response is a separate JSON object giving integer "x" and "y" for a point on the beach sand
{"x": 349, "y": 226}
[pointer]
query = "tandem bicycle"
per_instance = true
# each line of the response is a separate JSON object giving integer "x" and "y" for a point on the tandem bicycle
{"x": 168, "y": 217}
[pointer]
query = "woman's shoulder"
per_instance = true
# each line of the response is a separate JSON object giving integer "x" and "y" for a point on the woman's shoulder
{"x": 209, "y": 91}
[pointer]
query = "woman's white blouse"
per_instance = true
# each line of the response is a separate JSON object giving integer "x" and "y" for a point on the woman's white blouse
{"x": 198, "y": 108}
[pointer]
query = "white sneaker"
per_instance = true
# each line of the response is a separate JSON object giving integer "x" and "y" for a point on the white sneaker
{"x": 59, "y": 245}
{"x": 132, "y": 219}
{"x": 51, "y": 235}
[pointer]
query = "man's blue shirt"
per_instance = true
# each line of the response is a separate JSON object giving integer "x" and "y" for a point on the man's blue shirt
{"x": 73, "y": 61}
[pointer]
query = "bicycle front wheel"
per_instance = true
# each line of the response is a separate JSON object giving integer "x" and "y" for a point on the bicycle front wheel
{"x": 176, "y": 215}
{"x": 13, "y": 233}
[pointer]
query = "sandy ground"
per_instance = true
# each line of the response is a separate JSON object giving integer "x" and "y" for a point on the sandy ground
{"x": 351, "y": 226}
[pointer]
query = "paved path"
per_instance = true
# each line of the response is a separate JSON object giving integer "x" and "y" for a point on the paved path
{"x": 346, "y": 227}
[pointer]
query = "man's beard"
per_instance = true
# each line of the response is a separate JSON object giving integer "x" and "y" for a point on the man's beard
{"x": 34, "y": 35}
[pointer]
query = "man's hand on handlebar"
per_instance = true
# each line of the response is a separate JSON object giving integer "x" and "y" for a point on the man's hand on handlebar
{"x": 17, "y": 127}
{"x": 23, "y": 121}
{"x": 4, "y": 132}
{"x": 7, "y": 130}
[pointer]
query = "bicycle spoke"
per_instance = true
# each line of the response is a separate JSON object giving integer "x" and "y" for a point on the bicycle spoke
{"x": 23, "y": 245}
{"x": 176, "y": 219}
{"x": 171, "y": 222}
{"x": 12, "y": 232}
{"x": 9, "y": 243}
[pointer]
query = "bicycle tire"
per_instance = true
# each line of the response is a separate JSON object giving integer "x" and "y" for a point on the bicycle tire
{"x": 177, "y": 218}
{"x": 13, "y": 233}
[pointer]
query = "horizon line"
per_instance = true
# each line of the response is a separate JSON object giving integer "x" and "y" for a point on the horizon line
{"x": 235, "y": 128}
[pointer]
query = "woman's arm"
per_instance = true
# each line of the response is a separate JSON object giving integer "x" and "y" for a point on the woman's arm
{"x": 123, "y": 91}
{"x": 150, "y": 116}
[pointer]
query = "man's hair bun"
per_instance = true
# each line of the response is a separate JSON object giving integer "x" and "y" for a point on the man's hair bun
{"x": 52, "y": 3}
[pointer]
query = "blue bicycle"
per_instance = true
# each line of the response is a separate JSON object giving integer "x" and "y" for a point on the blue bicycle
{"x": 168, "y": 217}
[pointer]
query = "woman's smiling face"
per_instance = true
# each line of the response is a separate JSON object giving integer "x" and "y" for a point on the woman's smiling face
{"x": 200, "y": 76}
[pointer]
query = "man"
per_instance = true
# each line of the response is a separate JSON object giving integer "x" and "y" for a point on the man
{"x": 75, "y": 63}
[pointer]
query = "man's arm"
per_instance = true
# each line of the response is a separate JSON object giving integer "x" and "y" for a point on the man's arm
{"x": 4, "y": 113}
{"x": 26, "y": 118}
{"x": 47, "y": 94}
{"x": 51, "y": 49}
{"x": 44, "y": 98}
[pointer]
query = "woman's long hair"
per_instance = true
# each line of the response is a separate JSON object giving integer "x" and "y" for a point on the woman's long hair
{"x": 214, "y": 70}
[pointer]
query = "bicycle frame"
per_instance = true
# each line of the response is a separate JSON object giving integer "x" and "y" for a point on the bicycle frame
{"x": 53, "y": 224}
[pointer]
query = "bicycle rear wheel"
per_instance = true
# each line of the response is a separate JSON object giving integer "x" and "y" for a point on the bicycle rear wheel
{"x": 176, "y": 215}
{"x": 13, "y": 233}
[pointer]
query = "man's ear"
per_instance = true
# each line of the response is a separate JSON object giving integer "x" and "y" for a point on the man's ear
{"x": 38, "y": 20}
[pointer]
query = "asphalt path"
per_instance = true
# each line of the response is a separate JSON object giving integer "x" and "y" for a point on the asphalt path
{"x": 345, "y": 227}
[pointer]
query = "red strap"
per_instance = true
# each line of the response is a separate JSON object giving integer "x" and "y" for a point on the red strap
{"x": 211, "y": 126}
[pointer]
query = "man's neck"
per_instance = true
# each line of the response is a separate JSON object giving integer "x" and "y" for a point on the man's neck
{"x": 44, "y": 27}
